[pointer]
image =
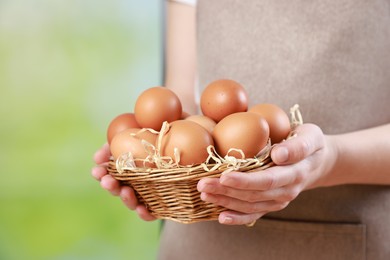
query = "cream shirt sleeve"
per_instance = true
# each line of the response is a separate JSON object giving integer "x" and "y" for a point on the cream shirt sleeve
{"x": 187, "y": 2}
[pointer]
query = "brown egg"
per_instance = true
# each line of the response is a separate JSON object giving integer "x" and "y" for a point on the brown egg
{"x": 156, "y": 105}
{"x": 124, "y": 142}
{"x": 204, "y": 121}
{"x": 246, "y": 131}
{"x": 277, "y": 119}
{"x": 223, "y": 97}
{"x": 190, "y": 139}
{"x": 120, "y": 123}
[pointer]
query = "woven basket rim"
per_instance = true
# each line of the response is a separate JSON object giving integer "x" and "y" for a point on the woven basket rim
{"x": 182, "y": 173}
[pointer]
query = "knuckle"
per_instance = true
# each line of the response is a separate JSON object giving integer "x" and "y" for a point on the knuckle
{"x": 291, "y": 194}
{"x": 303, "y": 148}
{"x": 299, "y": 176}
{"x": 270, "y": 181}
{"x": 280, "y": 206}
{"x": 252, "y": 196}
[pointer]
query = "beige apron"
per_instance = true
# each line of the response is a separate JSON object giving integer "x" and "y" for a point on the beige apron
{"x": 333, "y": 58}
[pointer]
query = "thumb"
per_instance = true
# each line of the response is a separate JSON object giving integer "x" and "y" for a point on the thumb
{"x": 309, "y": 139}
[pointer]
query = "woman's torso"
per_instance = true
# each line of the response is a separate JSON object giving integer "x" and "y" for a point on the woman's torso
{"x": 333, "y": 59}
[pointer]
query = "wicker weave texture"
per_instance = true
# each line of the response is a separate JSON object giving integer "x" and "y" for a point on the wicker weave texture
{"x": 173, "y": 194}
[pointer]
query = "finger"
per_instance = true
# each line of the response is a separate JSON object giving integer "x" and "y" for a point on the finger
{"x": 309, "y": 138}
{"x": 208, "y": 184}
{"x": 110, "y": 184}
{"x": 243, "y": 206}
{"x": 237, "y": 218}
{"x": 285, "y": 193}
{"x": 102, "y": 155}
{"x": 128, "y": 197}
{"x": 98, "y": 172}
{"x": 144, "y": 213}
{"x": 271, "y": 178}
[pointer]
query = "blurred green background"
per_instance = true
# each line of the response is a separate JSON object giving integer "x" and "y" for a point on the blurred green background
{"x": 66, "y": 69}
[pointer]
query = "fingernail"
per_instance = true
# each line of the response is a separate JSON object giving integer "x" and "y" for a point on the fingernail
{"x": 281, "y": 154}
{"x": 227, "y": 220}
{"x": 229, "y": 170}
{"x": 208, "y": 188}
{"x": 209, "y": 198}
{"x": 204, "y": 186}
{"x": 94, "y": 172}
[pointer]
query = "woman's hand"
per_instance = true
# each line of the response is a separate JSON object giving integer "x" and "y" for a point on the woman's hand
{"x": 108, "y": 183}
{"x": 301, "y": 162}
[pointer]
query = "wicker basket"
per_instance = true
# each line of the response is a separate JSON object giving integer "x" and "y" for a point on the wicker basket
{"x": 172, "y": 193}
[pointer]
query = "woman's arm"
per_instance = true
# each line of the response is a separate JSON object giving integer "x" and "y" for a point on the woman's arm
{"x": 363, "y": 158}
{"x": 181, "y": 53}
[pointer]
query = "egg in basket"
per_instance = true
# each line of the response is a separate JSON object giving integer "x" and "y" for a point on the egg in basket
{"x": 162, "y": 154}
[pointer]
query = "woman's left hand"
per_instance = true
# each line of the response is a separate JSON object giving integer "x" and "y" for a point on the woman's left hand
{"x": 301, "y": 162}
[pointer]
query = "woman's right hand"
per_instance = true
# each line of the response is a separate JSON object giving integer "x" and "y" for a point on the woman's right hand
{"x": 126, "y": 193}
